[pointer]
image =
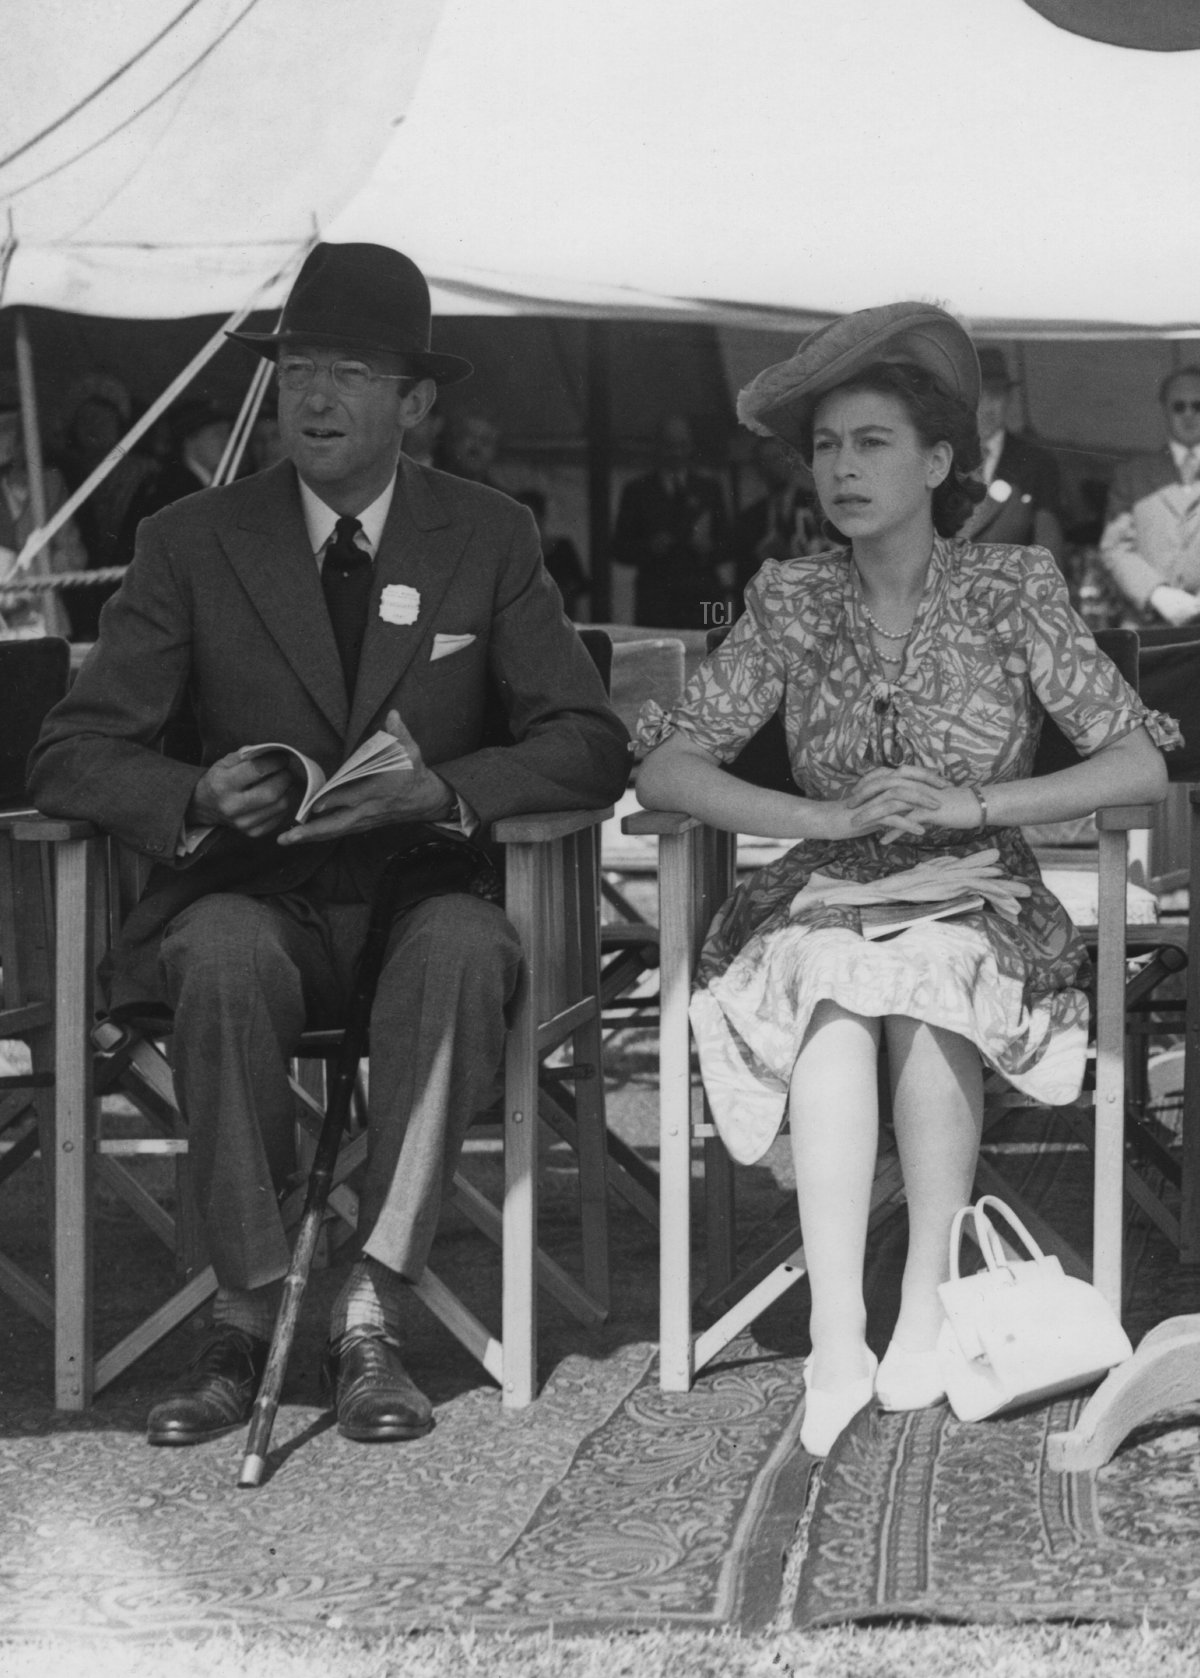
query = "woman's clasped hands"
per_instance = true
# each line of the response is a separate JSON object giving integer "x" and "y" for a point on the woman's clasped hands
{"x": 907, "y": 799}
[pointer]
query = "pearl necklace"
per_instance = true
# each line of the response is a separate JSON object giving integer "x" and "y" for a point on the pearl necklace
{"x": 888, "y": 634}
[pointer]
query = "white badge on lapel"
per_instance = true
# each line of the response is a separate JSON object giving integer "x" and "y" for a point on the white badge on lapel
{"x": 399, "y": 604}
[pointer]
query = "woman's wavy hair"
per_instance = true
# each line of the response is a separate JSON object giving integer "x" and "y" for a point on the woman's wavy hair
{"x": 937, "y": 417}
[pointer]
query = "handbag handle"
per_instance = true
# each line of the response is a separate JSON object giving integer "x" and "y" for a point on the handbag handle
{"x": 989, "y": 1240}
{"x": 985, "y": 1235}
{"x": 956, "y": 1228}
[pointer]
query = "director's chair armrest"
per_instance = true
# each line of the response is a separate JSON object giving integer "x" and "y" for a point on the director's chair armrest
{"x": 543, "y": 827}
{"x": 663, "y": 822}
{"x": 1124, "y": 818}
{"x": 50, "y": 830}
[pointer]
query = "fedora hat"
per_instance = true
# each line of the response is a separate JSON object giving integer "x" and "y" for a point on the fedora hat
{"x": 367, "y": 298}
{"x": 780, "y": 400}
{"x": 993, "y": 368}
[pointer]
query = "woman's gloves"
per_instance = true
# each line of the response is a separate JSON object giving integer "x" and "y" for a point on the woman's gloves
{"x": 936, "y": 881}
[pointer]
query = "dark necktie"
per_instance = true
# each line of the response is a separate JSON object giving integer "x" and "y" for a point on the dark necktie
{"x": 346, "y": 579}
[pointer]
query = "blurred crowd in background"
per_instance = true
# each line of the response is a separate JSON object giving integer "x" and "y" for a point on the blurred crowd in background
{"x": 688, "y": 525}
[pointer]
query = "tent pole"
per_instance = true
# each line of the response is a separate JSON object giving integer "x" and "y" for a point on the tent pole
{"x": 599, "y": 464}
{"x": 239, "y": 435}
{"x": 53, "y": 611}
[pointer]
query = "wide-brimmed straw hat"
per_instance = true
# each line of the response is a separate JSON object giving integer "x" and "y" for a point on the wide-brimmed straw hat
{"x": 780, "y": 400}
{"x": 366, "y": 298}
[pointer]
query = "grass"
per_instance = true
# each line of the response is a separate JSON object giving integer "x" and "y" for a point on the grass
{"x": 849, "y": 1652}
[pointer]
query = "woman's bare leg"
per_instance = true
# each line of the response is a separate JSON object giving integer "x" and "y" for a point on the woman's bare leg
{"x": 834, "y": 1111}
{"x": 937, "y": 1108}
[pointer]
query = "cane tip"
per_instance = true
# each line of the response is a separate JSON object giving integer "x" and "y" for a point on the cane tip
{"x": 252, "y": 1471}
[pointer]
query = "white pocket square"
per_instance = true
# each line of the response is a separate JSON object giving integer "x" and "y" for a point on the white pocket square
{"x": 444, "y": 645}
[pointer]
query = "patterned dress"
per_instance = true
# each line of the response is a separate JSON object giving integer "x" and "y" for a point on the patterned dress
{"x": 995, "y": 640}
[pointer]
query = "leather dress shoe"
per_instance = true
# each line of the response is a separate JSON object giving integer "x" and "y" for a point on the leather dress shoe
{"x": 216, "y": 1392}
{"x": 376, "y": 1397}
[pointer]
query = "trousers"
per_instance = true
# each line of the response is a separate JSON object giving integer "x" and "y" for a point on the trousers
{"x": 246, "y": 976}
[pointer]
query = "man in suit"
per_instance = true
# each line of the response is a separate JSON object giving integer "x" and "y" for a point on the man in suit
{"x": 468, "y": 445}
{"x": 1022, "y": 502}
{"x": 1151, "y": 542}
{"x": 782, "y": 524}
{"x": 343, "y": 590}
{"x": 672, "y": 529}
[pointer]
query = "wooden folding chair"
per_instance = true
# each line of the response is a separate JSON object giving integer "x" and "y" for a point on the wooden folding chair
{"x": 552, "y": 899}
{"x": 551, "y": 896}
{"x": 33, "y": 675}
{"x": 696, "y": 874}
{"x": 1169, "y": 673}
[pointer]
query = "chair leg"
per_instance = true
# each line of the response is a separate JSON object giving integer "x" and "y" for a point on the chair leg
{"x": 720, "y": 1215}
{"x": 1189, "y": 1208}
{"x": 74, "y": 1126}
{"x": 677, "y": 890}
{"x": 519, "y": 1304}
{"x": 1109, "y": 1198}
{"x": 588, "y": 1050}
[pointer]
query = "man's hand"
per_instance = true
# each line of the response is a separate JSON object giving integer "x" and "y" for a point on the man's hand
{"x": 254, "y": 795}
{"x": 1175, "y": 605}
{"x": 412, "y": 793}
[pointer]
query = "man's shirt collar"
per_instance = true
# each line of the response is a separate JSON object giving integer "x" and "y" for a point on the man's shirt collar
{"x": 993, "y": 448}
{"x": 320, "y": 518}
{"x": 1179, "y": 453}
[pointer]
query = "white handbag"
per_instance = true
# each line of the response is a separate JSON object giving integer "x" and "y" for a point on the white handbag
{"x": 1021, "y": 1329}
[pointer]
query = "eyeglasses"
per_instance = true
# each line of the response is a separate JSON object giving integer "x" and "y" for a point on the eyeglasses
{"x": 1182, "y": 406}
{"x": 297, "y": 372}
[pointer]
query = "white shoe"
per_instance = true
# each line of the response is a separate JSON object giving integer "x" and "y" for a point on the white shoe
{"x": 909, "y": 1380}
{"x": 829, "y": 1411}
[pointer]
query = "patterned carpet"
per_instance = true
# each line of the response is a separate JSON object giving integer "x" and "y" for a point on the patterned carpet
{"x": 607, "y": 1504}
{"x": 604, "y": 1504}
{"x": 923, "y": 1516}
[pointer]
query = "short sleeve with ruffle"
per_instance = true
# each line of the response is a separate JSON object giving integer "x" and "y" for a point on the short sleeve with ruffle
{"x": 1079, "y": 686}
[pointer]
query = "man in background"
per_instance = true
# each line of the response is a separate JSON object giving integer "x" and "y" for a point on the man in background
{"x": 1151, "y": 543}
{"x": 1022, "y": 503}
{"x": 673, "y": 531}
{"x": 468, "y": 447}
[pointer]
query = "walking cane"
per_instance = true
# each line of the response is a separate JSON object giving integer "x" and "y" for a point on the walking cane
{"x": 433, "y": 864}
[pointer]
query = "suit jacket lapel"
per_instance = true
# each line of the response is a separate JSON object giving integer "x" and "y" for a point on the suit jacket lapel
{"x": 270, "y": 552}
{"x": 421, "y": 547}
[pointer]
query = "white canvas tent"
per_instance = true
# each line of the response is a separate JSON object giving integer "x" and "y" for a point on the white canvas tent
{"x": 168, "y": 159}
{"x": 773, "y": 160}
{"x": 786, "y": 159}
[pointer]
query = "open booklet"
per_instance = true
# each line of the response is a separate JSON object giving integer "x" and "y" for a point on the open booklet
{"x": 376, "y": 755}
{"x": 881, "y": 920}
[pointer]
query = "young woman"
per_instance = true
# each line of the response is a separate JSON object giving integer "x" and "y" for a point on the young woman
{"x": 912, "y": 672}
